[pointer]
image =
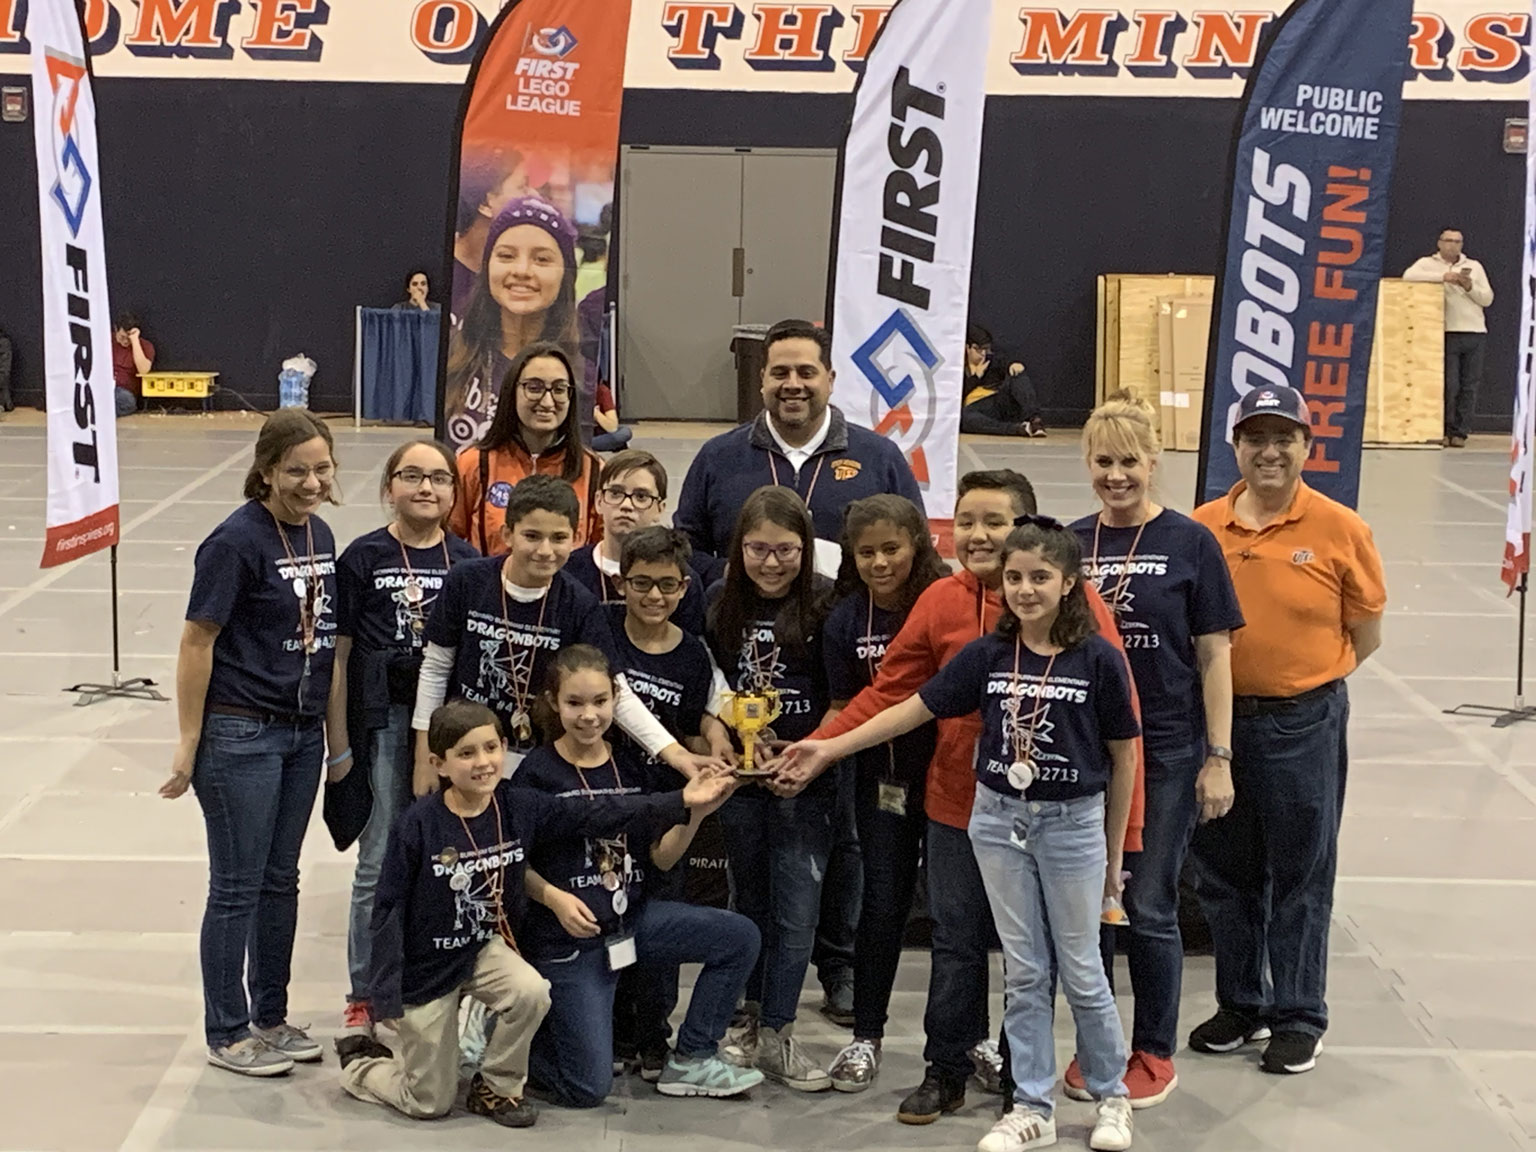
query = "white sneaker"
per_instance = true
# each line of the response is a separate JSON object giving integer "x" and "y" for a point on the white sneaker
{"x": 1112, "y": 1131}
{"x": 779, "y": 1058}
{"x": 1019, "y": 1130}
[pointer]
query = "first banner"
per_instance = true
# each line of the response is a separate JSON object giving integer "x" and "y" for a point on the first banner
{"x": 77, "y": 357}
{"x": 1307, "y": 231}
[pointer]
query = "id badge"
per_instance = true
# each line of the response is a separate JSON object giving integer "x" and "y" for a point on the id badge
{"x": 621, "y": 952}
{"x": 893, "y": 799}
{"x": 1018, "y": 835}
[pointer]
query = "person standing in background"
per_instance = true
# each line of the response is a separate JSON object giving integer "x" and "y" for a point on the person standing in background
{"x": 1467, "y": 294}
{"x": 416, "y": 288}
{"x": 132, "y": 356}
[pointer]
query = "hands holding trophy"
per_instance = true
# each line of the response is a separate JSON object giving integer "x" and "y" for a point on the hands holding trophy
{"x": 750, "y": 713}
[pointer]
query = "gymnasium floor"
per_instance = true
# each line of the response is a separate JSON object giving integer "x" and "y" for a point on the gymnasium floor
{"x": 1433, "y": 1044}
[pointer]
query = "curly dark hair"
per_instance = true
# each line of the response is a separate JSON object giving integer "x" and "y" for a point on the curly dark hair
{"x": 1059, "y": 547}
{"x": 903, "y": 515}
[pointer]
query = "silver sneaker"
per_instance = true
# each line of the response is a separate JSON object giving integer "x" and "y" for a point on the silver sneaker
{"x": 250, "y": 1057}
{"x": 292, "y": 1042}
{"x": 856, "y": 1066}
{"x": 779, "y": 1058}
{"x": 988, "y": 1064}
{"x": 739, "y": 1047}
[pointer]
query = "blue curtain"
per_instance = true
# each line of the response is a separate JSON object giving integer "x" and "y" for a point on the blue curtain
{"x": 400, "y": 364}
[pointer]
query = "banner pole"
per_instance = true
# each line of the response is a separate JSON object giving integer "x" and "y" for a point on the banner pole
{"x": 137, "y": 688}
{"x": 1505, "y": 717}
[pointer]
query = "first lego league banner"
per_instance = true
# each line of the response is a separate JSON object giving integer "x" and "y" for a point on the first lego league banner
{"x": 77, "y": 338}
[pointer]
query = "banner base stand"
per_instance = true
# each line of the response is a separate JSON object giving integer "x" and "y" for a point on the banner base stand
{"x": 1502, "y": 717}
{"x": 137, "y": 688}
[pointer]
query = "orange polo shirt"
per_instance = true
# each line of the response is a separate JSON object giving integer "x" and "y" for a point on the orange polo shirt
{"x": 1301, "y": 582}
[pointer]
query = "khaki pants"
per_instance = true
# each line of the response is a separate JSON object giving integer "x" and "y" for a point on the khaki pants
{"x": 422, "y": 1078}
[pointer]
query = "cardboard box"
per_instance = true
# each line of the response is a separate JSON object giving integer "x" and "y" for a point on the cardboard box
{"x": 1188, "y": 409}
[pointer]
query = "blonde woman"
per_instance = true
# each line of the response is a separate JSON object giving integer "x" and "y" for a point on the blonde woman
{"x": 1164, "y": 577}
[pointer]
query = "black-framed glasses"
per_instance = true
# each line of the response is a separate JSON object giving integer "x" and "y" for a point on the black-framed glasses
{"x": 666, "y": 585}
{"x": 536, "y": 389}
{"x": 616, "y": 495}
{"x": 412, "y": 477}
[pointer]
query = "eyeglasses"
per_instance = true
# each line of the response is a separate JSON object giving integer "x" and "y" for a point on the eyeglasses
{"x": 535, "y": 389}
{"x": 667, "y": 585}
{"x": 783, "y": 553}
{"x": 297, "y": 473}
{"x": 412, "y": 477}
{"x": 1274, "y": 439}
{"x": 641, "y": 500}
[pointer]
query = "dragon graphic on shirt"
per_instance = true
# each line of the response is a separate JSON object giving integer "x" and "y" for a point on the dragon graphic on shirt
{"x": 1018, "y": 718}
{"x": 475, "y": 906}
{"x": 759, "y": 668}
{"x": 500, "y": 674}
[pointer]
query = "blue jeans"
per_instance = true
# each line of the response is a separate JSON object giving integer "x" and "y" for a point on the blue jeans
{"x": 891, "y": 846}
{"x": 1265, "y": 870}
{"x": 842, "y": 894}
{"x": 1155, "y": 954}
{"x": 955, "y": 1018}
{"x": 572, "y": 1054}
{"x": 1044, "y": 863}
{"x": 779, "y": 850}
{"x": 127, "y": 403}
{"x": 647, "y": 994}
{"x": 390, "y": 777}
{"x": 256, "y": 783}
{"x": 612, "y": 441}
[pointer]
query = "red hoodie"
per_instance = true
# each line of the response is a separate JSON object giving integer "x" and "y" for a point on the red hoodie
{"x": 948, "y": 615}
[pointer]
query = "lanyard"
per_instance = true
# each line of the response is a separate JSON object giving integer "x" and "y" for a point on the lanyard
{"x": 415, "y": 595}
{"x": 1113, "y": 599}
{"x": 773, "y": 467}
{"x": 522, "y": 685}
{"x": 612, "y": 854}
{"x": 1025, "y": 754}
{"x": 499, "y": 883}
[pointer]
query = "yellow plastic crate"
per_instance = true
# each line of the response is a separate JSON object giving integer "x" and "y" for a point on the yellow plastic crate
{"x": 178, "y": 385}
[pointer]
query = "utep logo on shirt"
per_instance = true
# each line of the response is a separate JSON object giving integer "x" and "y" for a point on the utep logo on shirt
{"x": 845, "y": 469}
{"x": 1302, "y": 556}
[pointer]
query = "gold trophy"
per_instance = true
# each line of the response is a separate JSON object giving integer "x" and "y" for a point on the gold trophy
{"x": 749, "y": 713}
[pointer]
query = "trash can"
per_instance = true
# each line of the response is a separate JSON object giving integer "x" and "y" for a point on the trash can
{"x": 751, "y": 357}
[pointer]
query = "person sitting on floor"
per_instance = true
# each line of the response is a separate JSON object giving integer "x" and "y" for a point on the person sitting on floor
{"x": 999, "y": 400}
{"x": 132, "y": 356}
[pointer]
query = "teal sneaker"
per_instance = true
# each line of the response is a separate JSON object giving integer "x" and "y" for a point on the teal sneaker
{"x": 705, "y": 1076}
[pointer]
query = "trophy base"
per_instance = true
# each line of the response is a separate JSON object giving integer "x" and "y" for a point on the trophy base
{"x": 753, "y": 773}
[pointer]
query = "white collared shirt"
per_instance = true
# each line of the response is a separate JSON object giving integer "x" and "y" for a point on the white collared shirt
{"x": 798, "y": 456}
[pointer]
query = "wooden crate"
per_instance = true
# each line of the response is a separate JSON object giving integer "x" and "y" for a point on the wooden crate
{"x": 1405, "y": 398}
{"x": 1128, "y": 329}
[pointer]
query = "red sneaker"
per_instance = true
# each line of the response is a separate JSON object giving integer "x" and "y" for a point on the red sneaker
{"x": 357, "y": 1017}
{"x": 1073, "y": 1083}
{"x": 1149, "y": 1079}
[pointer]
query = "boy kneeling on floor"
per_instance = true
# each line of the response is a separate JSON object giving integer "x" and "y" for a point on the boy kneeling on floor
{"x": 448, "y": 899}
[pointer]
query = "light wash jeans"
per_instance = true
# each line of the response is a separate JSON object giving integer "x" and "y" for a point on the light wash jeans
{"x": 1043, "y": 866}
{"x": 390, "y": 775}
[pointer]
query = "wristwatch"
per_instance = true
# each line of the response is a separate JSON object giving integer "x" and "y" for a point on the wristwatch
{"x": 1219, "y": 752}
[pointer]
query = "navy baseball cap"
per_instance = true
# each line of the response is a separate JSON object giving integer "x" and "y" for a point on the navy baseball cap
{"x": 1268, "y": 400}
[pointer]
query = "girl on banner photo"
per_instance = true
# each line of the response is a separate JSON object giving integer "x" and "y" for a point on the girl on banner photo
{"x": 389, "y": 580}
{"x": 536, "y": 431}
{"x": 525, "y": 293}
{"x": 253, "y": 688}
{"x": 488, "y": 182}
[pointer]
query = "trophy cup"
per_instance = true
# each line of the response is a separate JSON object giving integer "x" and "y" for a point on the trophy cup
{"x": 749, "y": 713}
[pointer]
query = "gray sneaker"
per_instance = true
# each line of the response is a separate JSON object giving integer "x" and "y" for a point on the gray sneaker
{"x": 856, "y": 1065}
{"x": 779, "y": 1058}
{"x": 705, "y": 1076}
{"x": 292, "y": 1042}
{"x": 250, "y": 1057}
{"x": 740, "y": 1044}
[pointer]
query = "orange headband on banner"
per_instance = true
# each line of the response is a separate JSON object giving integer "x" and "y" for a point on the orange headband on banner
{"x": 531, "y": 223}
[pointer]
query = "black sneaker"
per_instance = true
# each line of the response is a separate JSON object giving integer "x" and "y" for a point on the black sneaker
{"x": 624, "y": 1061}
{"x": 506, "y": 1111}
{"x": 837, "y": 1002}
{"x": 1226, "y": 1031}
{"x": 356, "y": 1047}
{"x": 652, "y": 1060}
{"x": 931, "y": 1099}
{"x": 1291, "y": 1052}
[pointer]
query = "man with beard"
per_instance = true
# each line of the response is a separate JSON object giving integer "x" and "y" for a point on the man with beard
{"x": 800, "y": 440}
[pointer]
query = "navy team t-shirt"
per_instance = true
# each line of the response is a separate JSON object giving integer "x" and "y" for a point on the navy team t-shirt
{"x": 1178, "y": 587}
{"x": 1085, "y": 702}
{"x": 502, "y": 661}
{"x": 758, "y": 661}
{"x": 376, "y": 611}
{"x": 675, "y": 685}
{"x": 245, "y": 582}
{"x": 854, "y": 640}
{"x": 572, "y": 863}
{"x": 585, "y": 568}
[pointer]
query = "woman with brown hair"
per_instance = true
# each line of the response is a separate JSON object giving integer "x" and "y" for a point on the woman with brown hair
{"x": 253, "y": 685}
{"x": 525, "y": 292}
{"x": 536, "y": 430}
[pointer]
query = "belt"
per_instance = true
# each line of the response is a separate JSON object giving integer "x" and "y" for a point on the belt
{"x": 1264, "y": 705}
{"x": 289, "y": 719}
